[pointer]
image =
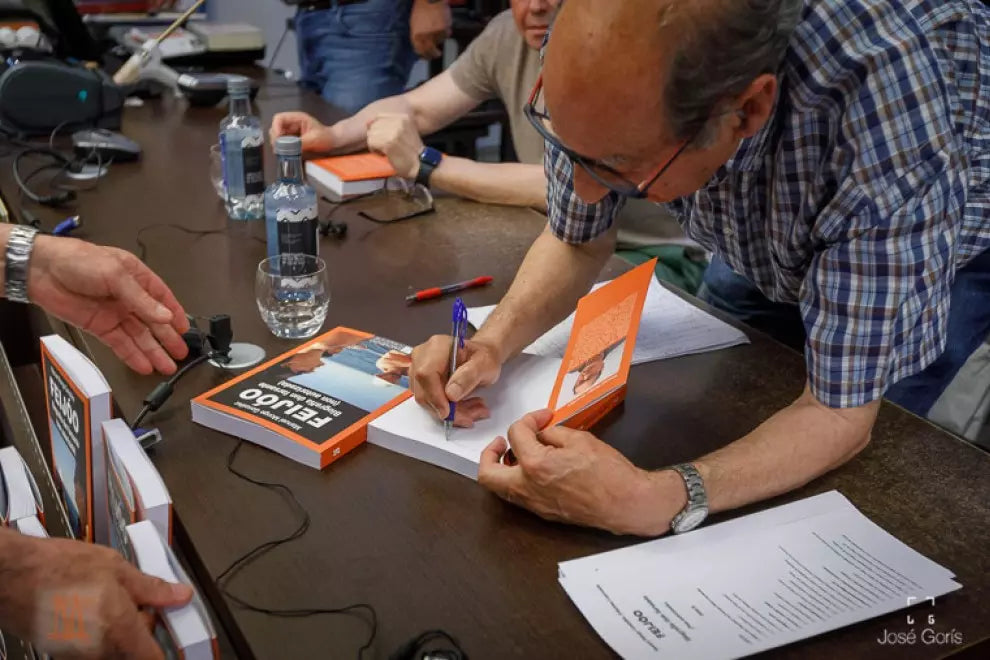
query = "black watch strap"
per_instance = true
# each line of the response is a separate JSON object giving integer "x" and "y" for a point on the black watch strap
{"x": 424, "y": 174}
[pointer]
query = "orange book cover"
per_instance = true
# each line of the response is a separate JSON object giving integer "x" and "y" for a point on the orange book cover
{"x": 312, "y": 404}
{"x": 357, "y": 167}
{"x": 78, "y": 401}
{"x": 598, "y": 356}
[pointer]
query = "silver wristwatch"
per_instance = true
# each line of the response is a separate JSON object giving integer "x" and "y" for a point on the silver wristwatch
{"x": 696, "y": 510}
{"x": 20, "y": 243}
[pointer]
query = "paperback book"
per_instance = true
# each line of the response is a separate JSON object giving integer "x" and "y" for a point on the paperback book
{"x": 580, "y": 389}
{"x": 312, "y": 404}
{"x": 135, "y": 490}
{"x": 184, "y": 632}
{"x": 79, "y": 401}
{"x": 20, "y": 498}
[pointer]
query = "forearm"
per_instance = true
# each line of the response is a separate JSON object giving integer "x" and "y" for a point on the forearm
{"x": 41, "y": 251}
{"x": 550, "y": 280}
{"x": 11, "y": 551}
{"x": 351, "y": 134}
{"x": 799, "y": 443}
{"x": 512, "y": 184}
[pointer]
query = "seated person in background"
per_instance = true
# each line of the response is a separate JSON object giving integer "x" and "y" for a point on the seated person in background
{"x": 112, "y": 295}
{"x": 503, "y": 62}
{"x": 355, "y": 53}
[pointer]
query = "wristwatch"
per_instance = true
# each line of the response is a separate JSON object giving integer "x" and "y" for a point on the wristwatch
{"x": 20, "y": 243}
{"x": 429, "y": 159}
{"x": 696, "y": 510}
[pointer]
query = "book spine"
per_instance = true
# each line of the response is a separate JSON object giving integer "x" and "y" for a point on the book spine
{"x": 590, "y": 416}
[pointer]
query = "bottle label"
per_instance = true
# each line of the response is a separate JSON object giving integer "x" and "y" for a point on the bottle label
{"x": 298, "y": 231}
{"x": 223, "y": 161}
{"x": 254, "y": 167}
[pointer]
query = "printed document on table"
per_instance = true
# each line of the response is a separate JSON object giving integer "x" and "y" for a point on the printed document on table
{"x": 763, "y": 586}
{"x": 670, "y": 327}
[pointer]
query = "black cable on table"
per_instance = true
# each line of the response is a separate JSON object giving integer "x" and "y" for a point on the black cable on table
{"x": 54, "y": 160}
{"x": 192, "y": 231}
{"x": 164, "y": 389}
{"x": 256, "y": 553}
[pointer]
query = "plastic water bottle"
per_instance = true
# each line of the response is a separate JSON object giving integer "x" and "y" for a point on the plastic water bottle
{"x": 291, "y": 219}
{"x": 241, "y": 148}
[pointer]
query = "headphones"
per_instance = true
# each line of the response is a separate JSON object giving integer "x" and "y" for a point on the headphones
{"x": 425, "y": 647}
{"x": 332, "y": 229}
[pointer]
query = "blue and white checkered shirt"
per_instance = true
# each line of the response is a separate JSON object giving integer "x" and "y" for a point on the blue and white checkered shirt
{"x": 863, "y": 195}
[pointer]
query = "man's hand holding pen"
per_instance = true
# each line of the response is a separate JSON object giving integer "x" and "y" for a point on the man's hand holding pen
{"x": 435, "y": 387}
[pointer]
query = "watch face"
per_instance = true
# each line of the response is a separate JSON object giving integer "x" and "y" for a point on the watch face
{"x": 691, "y": 519}
{"x": 431, "y": 156}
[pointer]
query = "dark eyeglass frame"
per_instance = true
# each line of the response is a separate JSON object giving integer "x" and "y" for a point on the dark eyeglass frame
{"x": 624, "y": 187}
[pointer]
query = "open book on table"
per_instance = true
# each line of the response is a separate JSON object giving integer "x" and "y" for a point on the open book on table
{"x": 580, "y": 389}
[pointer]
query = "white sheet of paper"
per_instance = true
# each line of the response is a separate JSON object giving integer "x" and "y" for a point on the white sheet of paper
{"x": 670, "y": 327}
{"x": 525, "y": 384}
{"x": 779, "y": 577}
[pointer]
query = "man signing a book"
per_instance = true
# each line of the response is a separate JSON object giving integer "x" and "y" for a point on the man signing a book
{"x": 834, "y": 154}
{"x": 113, "y": 296}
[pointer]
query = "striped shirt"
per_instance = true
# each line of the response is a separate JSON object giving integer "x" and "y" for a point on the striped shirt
{"x": 868, "y": 188}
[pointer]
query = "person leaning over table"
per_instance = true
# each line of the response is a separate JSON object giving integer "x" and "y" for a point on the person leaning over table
{"x": 835, "y": 153}
{"x": 113, "y": 296}
{"x": 353, "y": 52}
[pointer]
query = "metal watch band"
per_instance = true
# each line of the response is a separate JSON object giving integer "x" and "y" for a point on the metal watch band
{"x": 20, "y": 244}
{"x": 696, "y": 509}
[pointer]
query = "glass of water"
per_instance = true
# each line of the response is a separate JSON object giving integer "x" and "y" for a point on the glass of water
{"x": 293, "y": 294}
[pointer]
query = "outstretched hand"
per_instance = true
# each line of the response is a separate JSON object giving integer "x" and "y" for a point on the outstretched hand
{"x": 113, "y": 296}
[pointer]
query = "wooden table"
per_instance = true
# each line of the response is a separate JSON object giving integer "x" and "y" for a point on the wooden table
{"x": 428, "y": 548}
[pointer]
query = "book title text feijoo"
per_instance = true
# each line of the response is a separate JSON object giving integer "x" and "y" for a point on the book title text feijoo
{"x": 64, "y": 405}
{"x": 289, "y": 405}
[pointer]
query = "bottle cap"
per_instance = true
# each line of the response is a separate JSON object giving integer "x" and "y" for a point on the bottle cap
{"x": 288, "y": 145}
{"x": 238, "y": 85}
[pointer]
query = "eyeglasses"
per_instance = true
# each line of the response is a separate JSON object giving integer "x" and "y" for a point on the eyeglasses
{"x": 398, "y": 200}
{"x": 603, "y": 174}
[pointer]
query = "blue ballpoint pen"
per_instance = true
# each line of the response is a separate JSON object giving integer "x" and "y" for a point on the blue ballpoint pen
{"x": 459, "y": 323}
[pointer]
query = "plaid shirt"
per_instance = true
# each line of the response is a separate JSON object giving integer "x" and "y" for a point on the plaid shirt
{"x": 862, "y": 196}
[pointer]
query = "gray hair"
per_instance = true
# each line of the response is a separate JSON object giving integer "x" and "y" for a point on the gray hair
{"x": 724, "y": 48}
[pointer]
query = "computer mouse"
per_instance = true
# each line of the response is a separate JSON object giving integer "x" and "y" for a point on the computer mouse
{"x": 107, "y": 144}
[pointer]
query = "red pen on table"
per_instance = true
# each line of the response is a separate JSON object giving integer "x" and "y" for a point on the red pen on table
{"x": 436, "y": 292}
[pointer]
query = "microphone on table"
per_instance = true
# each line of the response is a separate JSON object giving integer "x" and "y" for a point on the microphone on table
{"x": 214, "y": 346}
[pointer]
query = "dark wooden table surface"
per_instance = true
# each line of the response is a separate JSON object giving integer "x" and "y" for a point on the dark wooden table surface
{"x": 428, "y": 548}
